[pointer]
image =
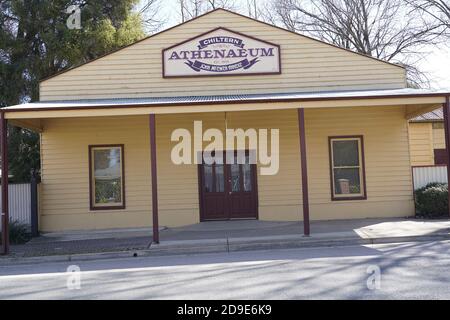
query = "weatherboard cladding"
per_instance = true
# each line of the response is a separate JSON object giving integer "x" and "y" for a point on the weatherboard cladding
{"x": 307, "y": 66}
{"x": 65, "y": 168}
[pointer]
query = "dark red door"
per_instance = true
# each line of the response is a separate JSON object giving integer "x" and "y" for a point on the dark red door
{"x": 213, "y": 192}
{"x": 228, "y": 191}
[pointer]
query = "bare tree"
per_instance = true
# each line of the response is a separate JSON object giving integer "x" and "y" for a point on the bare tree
{"x": 226, "y": 4}
{"x": 150, "y": 12}
{"x": 254, "y": 9}
{"x": 189, "y": 9}
{"x": 436, "y": 10}
{"x": 260, "y": 10}
{"x": 385, "y": 29}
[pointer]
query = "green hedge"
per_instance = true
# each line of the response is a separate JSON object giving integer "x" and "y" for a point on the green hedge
{"x": 432, "y": 201}
{"x": 18, "y": 233}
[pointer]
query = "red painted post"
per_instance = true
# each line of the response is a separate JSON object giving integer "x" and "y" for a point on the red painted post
{"x": 304, "y": 166}
{"x": 4, "y": 182}
{"x": 152, "y": 123}
{"x": 446, "y": 108}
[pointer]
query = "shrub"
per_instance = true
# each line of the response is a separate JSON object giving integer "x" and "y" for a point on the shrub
{"x": 18, "y": 232}
{"x": 432, "y": 200}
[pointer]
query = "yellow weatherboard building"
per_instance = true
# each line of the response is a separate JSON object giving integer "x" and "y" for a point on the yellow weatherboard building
{"x": 106, "y": 130}
{"x": 427, "y": 139}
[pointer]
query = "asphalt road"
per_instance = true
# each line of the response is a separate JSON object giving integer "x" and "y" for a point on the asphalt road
{"x": 407, "y": 271}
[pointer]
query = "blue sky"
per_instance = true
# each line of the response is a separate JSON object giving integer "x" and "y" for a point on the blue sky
{"x": 436, "y": 63}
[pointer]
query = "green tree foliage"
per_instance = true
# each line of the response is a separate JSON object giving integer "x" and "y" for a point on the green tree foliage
{"x": 35, "y": 43}
{"x": 23, "y": 155}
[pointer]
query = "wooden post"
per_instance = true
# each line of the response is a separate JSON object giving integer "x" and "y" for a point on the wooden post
{"x": 4, "y": 182}
{"x": 446, "y": 108}
{"x": 154, "y": 178}
{"x": 34, "y": 204}
{"x": 305, "y": 198}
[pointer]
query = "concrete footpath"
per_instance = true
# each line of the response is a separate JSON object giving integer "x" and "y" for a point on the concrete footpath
{"x": 227, "y": 236}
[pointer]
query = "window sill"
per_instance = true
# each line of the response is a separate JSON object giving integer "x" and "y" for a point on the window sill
{"x": 358, "y": 198}
{"x": 107, "y": 208}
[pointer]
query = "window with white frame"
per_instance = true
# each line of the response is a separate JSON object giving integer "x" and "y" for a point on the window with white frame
{"x": 347, "y": 168}
{"x": 107, "y": 186}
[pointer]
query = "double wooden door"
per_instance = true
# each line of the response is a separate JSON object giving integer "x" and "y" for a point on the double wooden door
{"x": 228, "y": 191}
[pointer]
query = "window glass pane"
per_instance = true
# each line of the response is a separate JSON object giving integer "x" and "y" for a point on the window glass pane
{"x": 108, "y": 191}
{"x": 345, "y": 153}
{"x": 108, "y": 176}
{"x": 220, "y": 179}
{"x": 208, "y": 178}
{"x": 235, "y": 178}
{"x": 347, "y": 181}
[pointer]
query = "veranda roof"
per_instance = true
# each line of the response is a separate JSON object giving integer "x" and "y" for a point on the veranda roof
{"x": 224, "y": 99}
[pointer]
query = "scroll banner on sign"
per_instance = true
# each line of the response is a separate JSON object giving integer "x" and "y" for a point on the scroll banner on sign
{"x": 199, "y": 66}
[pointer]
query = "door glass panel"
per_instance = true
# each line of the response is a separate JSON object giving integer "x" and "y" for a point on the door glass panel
{"x": 247, "y": 171}
{"x": 220, "y": 179}
{"x": 235, "y": 178}
{"x": 246, "y": 168}
{"x": 208, "y": 178}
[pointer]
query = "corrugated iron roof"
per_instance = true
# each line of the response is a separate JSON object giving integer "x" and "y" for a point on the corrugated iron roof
{"x": 221, "y": 99}
{"x": 436, "y": 115}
